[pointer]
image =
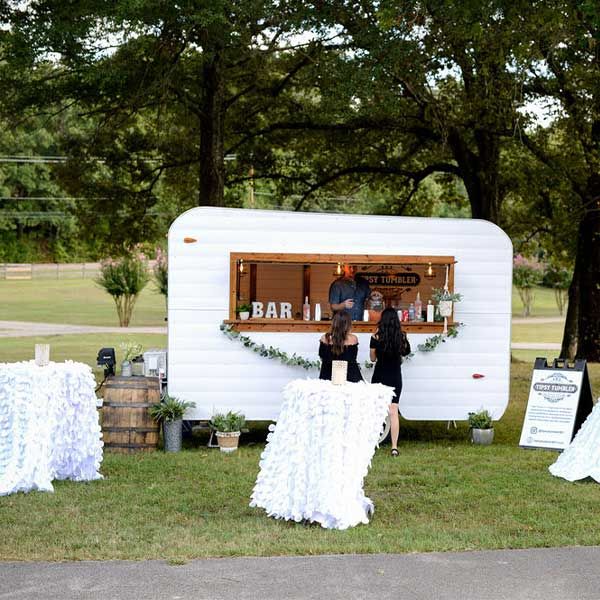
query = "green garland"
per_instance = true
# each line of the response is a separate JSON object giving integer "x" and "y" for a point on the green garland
{"x": 270, "y": 352}
{"x": 430, "y": 344}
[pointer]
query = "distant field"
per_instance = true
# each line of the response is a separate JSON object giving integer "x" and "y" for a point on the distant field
{"x": 77, "y": 302}
{"x": 544, "y": 304}
{"x": 542, "y": 332}
{"x": 82, "y": 302}
{"x": 82, "y": 348}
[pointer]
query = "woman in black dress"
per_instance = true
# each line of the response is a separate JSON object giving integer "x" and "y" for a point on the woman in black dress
{"x": 340, "y": 344}
{"x": 387, "y": 348}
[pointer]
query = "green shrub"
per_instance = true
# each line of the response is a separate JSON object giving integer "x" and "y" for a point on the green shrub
{"x": 559, "y": 280}
{"x": 169, "y": 409}
{"x": 232, "y": 421}
{"x": 527, "y": 273}
{"x": 124, "y": 279}
{"x": 480, "y": 420}
{"x": 161, "y": 273}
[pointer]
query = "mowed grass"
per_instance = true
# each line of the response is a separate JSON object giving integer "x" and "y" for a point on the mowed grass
{"x": 76, "y": 302}
{"x": 544, "y": 304}
{"x": 82, "y": 348}
{"x": 538, "y": 332}
{"x": 442, "y": 493}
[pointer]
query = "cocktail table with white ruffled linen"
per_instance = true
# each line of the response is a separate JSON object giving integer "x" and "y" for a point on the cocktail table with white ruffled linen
{"x": 581, "y": 458}
{"x": 319, "y": 452}
{"x": 49, "y": 425}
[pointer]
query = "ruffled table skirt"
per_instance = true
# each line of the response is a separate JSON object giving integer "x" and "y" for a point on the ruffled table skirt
{"x": 319, "y": 452}
{"x": 49, "y": 426}
{"x": 582, "y": 457}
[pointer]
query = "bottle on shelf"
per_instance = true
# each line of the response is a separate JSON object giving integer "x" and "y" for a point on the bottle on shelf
{"x": 306, "y": 309}
{"x": 318, "y": 311}
{"x": 430, "y": 309}
{"x": 418, "y": 308}
{"x": 411, "y": 312}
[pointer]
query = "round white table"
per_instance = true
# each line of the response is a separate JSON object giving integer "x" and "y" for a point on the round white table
{"x": 49, "y": 426}
{"x": 581, "y": 458}
{"x": 319, "y": 452}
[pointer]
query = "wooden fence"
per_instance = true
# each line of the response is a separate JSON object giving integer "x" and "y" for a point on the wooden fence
{"x": 13, "y": 271}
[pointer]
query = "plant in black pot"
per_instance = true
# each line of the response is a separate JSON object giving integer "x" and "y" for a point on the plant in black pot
{"x": 481, "y": 426}
{"x": 169, "y": 411}
{"x": 228, "y": 428}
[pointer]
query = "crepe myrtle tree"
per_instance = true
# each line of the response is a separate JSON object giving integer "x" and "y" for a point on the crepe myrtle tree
{"x": 527, "y": 273}
{"x": 124, "y": 278}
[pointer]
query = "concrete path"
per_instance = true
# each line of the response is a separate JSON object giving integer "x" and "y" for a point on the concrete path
{"x": 32, "y": 329}
{"x": 535, "y": 346}
{"x": 540, "y": 574}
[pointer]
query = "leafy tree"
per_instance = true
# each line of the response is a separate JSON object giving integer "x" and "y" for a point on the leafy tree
{"x": 198, "y": 73}
{"x": 36, "y": 219}
{"x": 565, "y": 67}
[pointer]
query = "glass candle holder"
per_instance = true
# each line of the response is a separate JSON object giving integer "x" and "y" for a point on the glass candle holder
{"x": 42, "y": 354}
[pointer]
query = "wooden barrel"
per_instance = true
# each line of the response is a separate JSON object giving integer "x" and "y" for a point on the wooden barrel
{"x": 126, "y": 425}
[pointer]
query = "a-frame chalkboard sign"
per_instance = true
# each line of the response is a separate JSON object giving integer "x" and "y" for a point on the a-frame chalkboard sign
{"x": 560, "y": 399}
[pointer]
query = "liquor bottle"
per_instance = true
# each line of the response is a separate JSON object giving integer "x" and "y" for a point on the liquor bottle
{"x": 411, "y": 312}
{"x": 317, "y": 311}
{"x": 306, "y": 309}
{"x": 418, "y": 308}
{"x": 430, "y": 312}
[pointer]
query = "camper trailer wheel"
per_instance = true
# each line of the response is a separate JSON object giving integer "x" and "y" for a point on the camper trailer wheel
{"x": 385, "y": 430}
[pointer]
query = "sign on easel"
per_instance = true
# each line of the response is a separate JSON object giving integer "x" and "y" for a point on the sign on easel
{"x": 560, "y": 399}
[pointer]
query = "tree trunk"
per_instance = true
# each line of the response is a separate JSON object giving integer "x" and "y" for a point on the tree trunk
{"x": 588, "y": 251}
{"x": 570, "y": 334}
{"x": 212, "y": 158}
{"x": 479, "y": 173}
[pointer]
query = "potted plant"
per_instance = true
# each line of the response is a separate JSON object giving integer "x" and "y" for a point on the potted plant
{"x": 228, "y": 428}
{"x": 243, "y": 311}
{"x": 444, "y": 300}
{"x": 481, "y": 426}
{"x": 137, "y": 365}
{"x": 130, "y": 350}
{"x": 169, "y": 411}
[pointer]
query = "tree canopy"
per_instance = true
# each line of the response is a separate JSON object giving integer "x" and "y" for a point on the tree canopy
{"x": 396, "y": 107}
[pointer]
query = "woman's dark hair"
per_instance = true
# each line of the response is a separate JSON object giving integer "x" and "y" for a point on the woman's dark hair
{"x": 340, "y": 328}
{"x": 389, "y": 332}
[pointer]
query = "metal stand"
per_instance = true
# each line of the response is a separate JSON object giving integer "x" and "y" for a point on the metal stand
{"x": 211, "y": 444}
{"x": 453, "y": 423}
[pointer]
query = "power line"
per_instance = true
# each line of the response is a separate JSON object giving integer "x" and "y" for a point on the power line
{"x": 50, "y": 198}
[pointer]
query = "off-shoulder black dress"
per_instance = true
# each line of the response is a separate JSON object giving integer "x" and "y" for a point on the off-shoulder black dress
{"x": 349, "y": 355}
{"x": 388, "y": 368}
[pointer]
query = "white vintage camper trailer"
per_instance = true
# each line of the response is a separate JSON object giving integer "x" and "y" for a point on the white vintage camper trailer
{"x": 222, "y": 258}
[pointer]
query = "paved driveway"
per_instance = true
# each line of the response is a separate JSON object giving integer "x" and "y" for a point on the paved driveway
{"x": 540, "y": 574}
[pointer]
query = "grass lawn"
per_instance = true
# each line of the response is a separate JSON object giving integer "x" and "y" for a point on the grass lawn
{"x": 83, "y": 348}
{"x": 442, "y": 493}
{"x": 538, "y": 332}
{"x": 77, "y": 302}
{"x": 82, "y": 302}
{"x": 544, "y": 304}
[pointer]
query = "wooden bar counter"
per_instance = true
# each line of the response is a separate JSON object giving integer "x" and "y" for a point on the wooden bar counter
{"x": 291, "y": 325}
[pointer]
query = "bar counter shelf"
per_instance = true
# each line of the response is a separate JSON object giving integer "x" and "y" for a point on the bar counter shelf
{"x": 290, "y": 325}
